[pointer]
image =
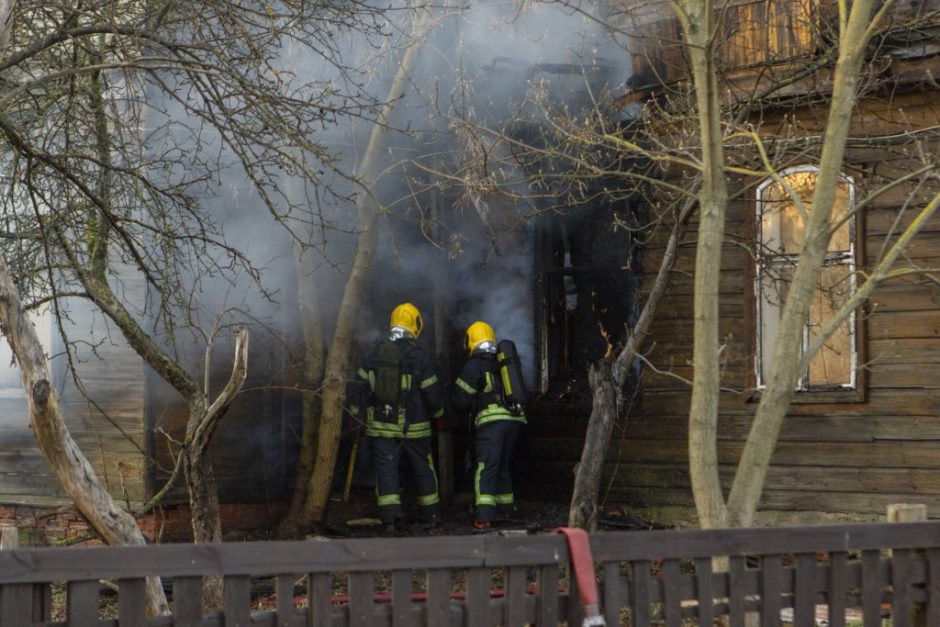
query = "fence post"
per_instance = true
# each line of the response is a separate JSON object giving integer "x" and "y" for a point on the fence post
{"x": 907, "y": 512}
{"x": 910, "y": 512}
{"x": 40, "y": 595}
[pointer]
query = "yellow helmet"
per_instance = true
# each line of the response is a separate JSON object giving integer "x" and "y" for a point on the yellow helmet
{"x": 407, "y": 317}
{"x": 476, "y": 334}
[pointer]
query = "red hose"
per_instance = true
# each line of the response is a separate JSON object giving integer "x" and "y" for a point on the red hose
{"x": 582, "y": 567}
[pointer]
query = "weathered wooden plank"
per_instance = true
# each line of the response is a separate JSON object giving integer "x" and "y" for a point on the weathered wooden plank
{"x": 879, "y": 402}
{"x": 871, "y": 588}
{"x": 933, "y": 586}
{"x": 885, "y": 454}
{"x": 625, "y": 476}
{"x": 883, "y": 215}
{"x": 478, "y": 597}
{"x": 838, "y": 588}
{"x": 704, "y": 591}
{"x": 187, "y": 600}
{"x": 900, "y": 585}
{"x": 736, "y": 591}
{"x": 548, "y": 595}
{"x": 9, "y": 537}
{"x": 666, "y": 544}
{"x": 361, "y": 592}
{"x": 904, "y": 297}
{"x": 672, "y": 599}
{"x": 574, "y": 613}
{"x": 804, "y": 602}
{"x": 904, "y": 324}
{"x": 284, "y": 599}
{"x": 42, "y": 602}
{"x": 639, "y": 593}
{"x": 778, "y": 500}
{"x": 909, "y": 353}
{"x": 132, "y": 602}
{"x": 925, "y": 246}
{"x": 363, "y": 555}
{"x": 771, "y": 583}
{"x": 319, "y": 593}
{"x": 401, "y": 598}
{"x": 515, "y": 596}
{"x": 438, "y": 603}
{"x": 82, "y": 600}
{"x": 613, "y": 592}
{"x": 522, "y": 550}
{"x": 898, "y": 376}
{"x": 16, "y": 604}
{"x": 881, "y": 325}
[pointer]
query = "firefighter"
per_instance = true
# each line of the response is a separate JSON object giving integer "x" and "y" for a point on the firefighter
{"x": 485, "y": 389}
{"x": 404, "y": 394}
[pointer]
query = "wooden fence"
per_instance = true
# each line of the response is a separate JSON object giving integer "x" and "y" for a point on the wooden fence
{"x": 645, "y": 577}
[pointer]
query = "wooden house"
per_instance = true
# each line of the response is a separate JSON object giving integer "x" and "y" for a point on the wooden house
{"x": 129, "y": 424}
{"x": 864, "y": 428}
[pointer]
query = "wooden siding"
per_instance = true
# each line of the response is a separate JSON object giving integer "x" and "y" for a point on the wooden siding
{"x": 109, "y": 431}
{"x": 775, "y": 32}
{"x": 764, "y": 43}
{"x": 256, "y": 445}
{"x": 848, "y": 459}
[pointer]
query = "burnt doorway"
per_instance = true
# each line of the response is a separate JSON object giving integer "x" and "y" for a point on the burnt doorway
{"x": 588, "y": 273}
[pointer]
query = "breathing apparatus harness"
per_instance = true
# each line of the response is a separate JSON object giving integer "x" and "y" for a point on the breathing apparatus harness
{"x": 507, "y": 387}
{"x": 392, "y": 385}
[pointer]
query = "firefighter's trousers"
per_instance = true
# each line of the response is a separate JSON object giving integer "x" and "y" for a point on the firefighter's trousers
{"x": 387, "y": 454}
{"x": 492, "y": 482}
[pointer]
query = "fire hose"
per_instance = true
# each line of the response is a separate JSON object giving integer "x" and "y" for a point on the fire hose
{"x": 582, "y": 572}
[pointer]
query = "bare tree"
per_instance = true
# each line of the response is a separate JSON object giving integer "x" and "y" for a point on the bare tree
{"x": 118, "y": 119}
{"x": 344, "y": 336}
{"x": 858, "y": 25}
{"x": 68, "y": 463}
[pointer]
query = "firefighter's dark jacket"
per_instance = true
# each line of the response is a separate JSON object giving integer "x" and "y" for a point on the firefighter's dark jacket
{"x": 477, "y": 390}
{"x": 425, "y": 396}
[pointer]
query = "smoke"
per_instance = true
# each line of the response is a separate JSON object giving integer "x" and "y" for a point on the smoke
{"x": 479, "y": 73}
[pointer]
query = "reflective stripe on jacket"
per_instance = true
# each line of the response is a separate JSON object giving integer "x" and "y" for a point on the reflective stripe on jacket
{"x": 420, "y": 405}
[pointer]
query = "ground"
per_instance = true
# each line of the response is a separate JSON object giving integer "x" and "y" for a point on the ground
{"x": 356, "y": 518}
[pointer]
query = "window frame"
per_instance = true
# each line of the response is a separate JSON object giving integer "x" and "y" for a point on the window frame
{"x": 805, "y": 392}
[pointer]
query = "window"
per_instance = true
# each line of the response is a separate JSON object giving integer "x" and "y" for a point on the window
{"x": 780, "y": 239}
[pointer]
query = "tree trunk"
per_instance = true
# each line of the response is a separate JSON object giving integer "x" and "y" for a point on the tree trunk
{"x": 313, "y": 369}
{"x": 206, "y": 521}
{"x": 856, "y": 30}
{"x": 197, "y": 463}
{"x": 334, "y": 382}
{"x": 604, "y": 391}
{"x": 69, "y": 466}
{"x": 597, "y": 436}
{"x": 698, "y": 23}
{"x": 337, "y": 363}
{"x": 755, "y": 459}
